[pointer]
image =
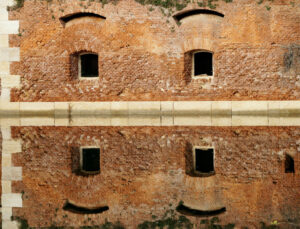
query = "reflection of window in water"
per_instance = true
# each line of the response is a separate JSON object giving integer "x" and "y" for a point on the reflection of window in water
{"x": 289, "y": 164}
{"x": 90, "y": 160}
{"x": 203, "y": 64}
{"x": 203, "y": 161}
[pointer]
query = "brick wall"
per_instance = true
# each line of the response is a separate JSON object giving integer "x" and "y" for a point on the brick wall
{"x": 141, "y": 52}
{"x": 143, "y": 173}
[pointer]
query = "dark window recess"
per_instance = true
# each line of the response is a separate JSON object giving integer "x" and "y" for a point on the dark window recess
{"x": 90, "y": 160}
{"x": 289, "y": 164}
{"x": 203, "y": 63}
{"x": 204, "y": 160}
{"x": 89, "y": 65}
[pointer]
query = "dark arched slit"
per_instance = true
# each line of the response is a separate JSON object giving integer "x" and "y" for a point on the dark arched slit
{"x": 185, "y": 14}
{"x": 195, "y": 212}
{"x": 84, "y": 210}
{"x": 70, "y": 17}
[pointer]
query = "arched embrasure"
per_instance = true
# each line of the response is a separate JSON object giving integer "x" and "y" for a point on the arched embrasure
{"x": 196, "y": 212}
{"x": 84, "y": 210}
{"x": 189, "y": 13}
{"x": 64, "y": 20}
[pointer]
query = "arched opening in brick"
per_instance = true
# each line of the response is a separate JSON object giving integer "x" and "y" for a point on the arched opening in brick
{"x": 185, "y": 210}
{"x": 289, "y": 164}
{"x": 71, "y": 19}
{"x": 178, "y": 17}
{"x": 84, "y": 210}
{"x": 84, "y": 65}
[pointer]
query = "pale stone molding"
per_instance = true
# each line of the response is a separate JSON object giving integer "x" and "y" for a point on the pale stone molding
{"x": 166, "y": 107}
{"x": 3, "y": 39}
{"x": 146, "y": 107}
{"x": 78, "y": 108}
{"x": 119, "y": 108}
{"x": 5, "y": 3}
{"x": 12, "y": 173}
{"x": 8, "y": 108}
{"x": 10, "y": 81}
{"x": 11, "y": 146}
{"x": 6, "y": 224}
{"x": 9, "y": 54}
{"x": 192, "y": 107}
{"x": 9, "y": 27}
{"x": 36, "y": 108}
{"x": 207, "y": 113}
{"x": 4, "y": 67}
{"x": 6, "y": 186}
{"x": 12, "y": 200}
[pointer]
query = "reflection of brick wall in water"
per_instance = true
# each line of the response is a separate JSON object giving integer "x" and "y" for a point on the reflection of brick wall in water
{"x": 141, "y": 52}
{"x": 143, "y": 173}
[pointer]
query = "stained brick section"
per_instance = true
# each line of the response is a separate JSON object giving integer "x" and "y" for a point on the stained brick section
{"x": 141, "y": 53}
{"x": 144, "y": 173}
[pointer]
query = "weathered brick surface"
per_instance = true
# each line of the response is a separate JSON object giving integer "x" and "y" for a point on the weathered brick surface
{"x": 144, "y": 173}
{"x": 141, "y": 52}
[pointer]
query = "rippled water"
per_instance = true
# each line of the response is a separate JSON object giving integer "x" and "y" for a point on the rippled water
{"x": 110, "y": 173}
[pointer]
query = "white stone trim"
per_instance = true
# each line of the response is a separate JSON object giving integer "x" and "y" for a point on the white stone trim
{"x": 5, "y": 3}
{"x": 8, "y": 109}
{"x": 7, "y": 54}
{"x": 10, "y": 81}
{"x": 9, "y": 174}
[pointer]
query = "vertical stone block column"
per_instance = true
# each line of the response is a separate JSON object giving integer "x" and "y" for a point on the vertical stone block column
{"x": 9, "y": 146}
{"x": 7, "y": 54}
{"x": 9, "y": 173}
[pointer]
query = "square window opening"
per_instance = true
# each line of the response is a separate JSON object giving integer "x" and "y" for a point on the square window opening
{"x": 90, "y": 160}
{"x": 88, "y": 65}
{"x": 204, "y": 160}
{"x": 203, "y": 64}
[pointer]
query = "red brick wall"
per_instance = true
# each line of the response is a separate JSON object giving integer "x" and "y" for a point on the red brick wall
{"x": 141, "y": 53}
{"x": 143, "y": 173}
